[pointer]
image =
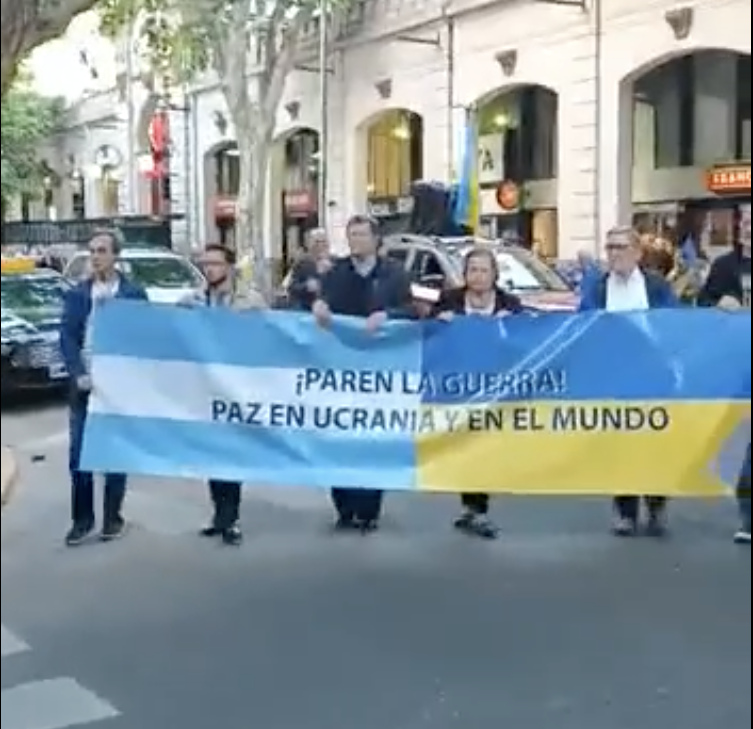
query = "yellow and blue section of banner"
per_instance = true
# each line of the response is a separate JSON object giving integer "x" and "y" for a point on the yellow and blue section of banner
{"x": 466, "y": 204}
{"x": 592, "y": 403}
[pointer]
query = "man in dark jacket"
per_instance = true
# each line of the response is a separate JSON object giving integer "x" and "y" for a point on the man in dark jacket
{"x": 728, "y": 287}
{"x": 307, "y": 273}
{"x": 81, "y": 304}
{"x": 628, "y": 288}
{"x": 366, "y": 285}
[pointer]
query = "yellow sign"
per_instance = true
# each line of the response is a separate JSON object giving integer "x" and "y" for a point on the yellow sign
{"x": 17, "y": 265}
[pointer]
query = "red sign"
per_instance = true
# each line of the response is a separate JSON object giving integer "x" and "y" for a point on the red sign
{"x": 508, "y": 196}
{"x": 225, "y": 208}
{"x": 729, "y": 179}
{"x": 299, "y": 203}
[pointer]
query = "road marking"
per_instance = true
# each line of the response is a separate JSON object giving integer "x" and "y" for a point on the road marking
{"x": 56, "y": 703}
{"x": 11, "y": 643}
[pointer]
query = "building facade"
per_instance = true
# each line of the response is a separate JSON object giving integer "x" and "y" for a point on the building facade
{"x": 637, "y": 111}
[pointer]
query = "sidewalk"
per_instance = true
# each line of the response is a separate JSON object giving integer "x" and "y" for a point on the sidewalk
{"x": 9, "y": 474}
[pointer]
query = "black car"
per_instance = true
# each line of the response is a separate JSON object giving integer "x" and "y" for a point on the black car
{"x": 32, "y": 304}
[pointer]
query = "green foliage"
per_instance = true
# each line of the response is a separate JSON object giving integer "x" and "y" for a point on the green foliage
{"x": 27, "y": 122}
{"x": 184, "y": 38}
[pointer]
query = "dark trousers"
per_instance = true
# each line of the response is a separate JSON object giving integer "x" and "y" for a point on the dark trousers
{"x": 362, "y": 504}
{"x": 629, "y": 507}
{"x": 226, "y": 500}
{"x": 82, "y": 482}
{"x": 743, "y": 491}
{"x": 475, "y": 503}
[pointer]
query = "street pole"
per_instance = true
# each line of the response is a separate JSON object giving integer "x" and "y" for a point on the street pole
{"x": 598, "y": 29}
{"x": 323, "y": 112}
{"x": 131, "y": 163}
{"x": 450, "y": 71}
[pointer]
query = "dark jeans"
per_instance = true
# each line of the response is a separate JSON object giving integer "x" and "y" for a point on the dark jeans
{"x": 362, "y": 504}
{"x": 743, "y": 491}
{"x": 629, "y": 507}
{"x": 475, "y": 503}
{"x": 82, "y": 482}
{"x": 226, "y": 499}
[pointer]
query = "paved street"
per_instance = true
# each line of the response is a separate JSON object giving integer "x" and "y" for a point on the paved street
{"x": 556, "y": 626}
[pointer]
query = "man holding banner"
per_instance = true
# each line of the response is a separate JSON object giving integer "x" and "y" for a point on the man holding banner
{"x": 223, "y": 289}
{"x": 79, "y": 310}
{"x": 627, "y": 288}
{"x": 366, "y": 285}
{"x": 728, "y": 287}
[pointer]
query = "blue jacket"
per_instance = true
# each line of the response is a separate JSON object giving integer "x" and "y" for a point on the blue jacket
{"x": 658, "y": 292}
{"x": 76, "y": 309}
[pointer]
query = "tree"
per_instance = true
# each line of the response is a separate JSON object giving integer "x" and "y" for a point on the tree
{"x": 26, "y": 24}
{"x": 27, "y": 122}
{"x": 252, "y": 46}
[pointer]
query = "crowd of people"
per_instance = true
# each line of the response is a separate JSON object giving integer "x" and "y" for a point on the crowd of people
{"x": 367, "y": 285}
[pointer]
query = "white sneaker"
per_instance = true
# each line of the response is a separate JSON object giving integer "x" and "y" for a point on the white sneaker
{"x": 742, "y": 536}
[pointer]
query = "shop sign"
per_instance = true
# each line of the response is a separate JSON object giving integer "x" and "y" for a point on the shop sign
{"x": 299, "y": 203}
{"x": 225, "y": 208}
{"x": 389, "y": 207}
{"x": 729, "y": 179}
{"x": 508, "y": 196}
{"x": 491, "y": 158}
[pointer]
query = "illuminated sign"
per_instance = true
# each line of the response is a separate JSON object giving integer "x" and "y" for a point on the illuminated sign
{"x": 729, "y": 179}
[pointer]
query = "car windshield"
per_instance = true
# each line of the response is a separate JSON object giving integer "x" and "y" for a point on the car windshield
{"x": 151, "y": 272}
{"x": 524, "y": 272}
{"x": 32, "y": 292}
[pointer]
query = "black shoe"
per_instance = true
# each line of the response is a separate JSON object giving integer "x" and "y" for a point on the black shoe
{"x": 112, "y": 530}
{"x": 344, "y": 524}
{"x": 624, "y": 527}
{"x": 78, "y": 534}
{"x": 210, "y": 531}
{"x": 657, "y": 526}
{"x": 232, "y": 536}
{"x": 478, "y": 525}
{"x": 367, "y": 526}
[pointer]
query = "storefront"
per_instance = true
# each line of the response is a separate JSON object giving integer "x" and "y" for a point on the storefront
{"x": 299, "y": 215}
{"x": 224, "y": 211}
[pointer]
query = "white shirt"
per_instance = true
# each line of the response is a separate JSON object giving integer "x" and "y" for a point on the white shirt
{"x": 627, "y": 294}
{"x": 101, "y": 290}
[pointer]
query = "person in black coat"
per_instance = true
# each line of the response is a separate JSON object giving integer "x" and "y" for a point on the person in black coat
{"x": 480, "y": 296}
{"x": 728, "y": 287}
{"x": 308, "y": 270}
{"x": 370, "y": 286}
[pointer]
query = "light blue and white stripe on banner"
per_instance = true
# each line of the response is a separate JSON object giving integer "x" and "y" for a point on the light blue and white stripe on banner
{"x": 189, "y": 389}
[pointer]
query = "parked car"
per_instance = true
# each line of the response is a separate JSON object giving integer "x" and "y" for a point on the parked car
{"x": 438, "y": 262}
{"x": 166, "y": 276}
{"x": 32, "y": 307}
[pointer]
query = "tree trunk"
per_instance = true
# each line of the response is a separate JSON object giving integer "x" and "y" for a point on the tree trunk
{"x": 25, "y": 24}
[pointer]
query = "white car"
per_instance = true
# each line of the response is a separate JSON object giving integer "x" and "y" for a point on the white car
{"x": 167, "y": 277}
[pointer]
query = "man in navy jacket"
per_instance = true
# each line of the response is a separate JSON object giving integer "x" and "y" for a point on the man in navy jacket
{"x": 627, "y": 288}
{"x": 80, "y": 306}
{"x": 368, "y": 285}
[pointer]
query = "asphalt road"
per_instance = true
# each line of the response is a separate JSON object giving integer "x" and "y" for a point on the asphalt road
{"x": 555, "y": 626}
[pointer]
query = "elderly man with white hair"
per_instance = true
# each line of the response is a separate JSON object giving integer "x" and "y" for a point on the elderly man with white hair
{"x": 626, "y": 287}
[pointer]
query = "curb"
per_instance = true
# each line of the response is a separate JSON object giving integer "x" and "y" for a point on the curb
{"x": 9, "y": 477}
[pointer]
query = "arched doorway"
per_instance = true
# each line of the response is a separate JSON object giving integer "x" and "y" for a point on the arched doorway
{"x": 517, "y": 139}
{"x": 394, "y": 158}
{"x": 221, "y": 183}
{"x": 686, "y": 123}
{"x": 294, "y": 186}
{"x": 154, "y": 193}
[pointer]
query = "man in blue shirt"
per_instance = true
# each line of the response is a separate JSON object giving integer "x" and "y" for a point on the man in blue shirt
{"x": 81, "y": 303}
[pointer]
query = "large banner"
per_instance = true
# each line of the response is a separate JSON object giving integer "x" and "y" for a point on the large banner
{"x": 592, "y": 403}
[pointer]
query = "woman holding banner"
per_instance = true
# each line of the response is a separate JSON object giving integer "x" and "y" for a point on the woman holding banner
{"x": 480, "y": 296}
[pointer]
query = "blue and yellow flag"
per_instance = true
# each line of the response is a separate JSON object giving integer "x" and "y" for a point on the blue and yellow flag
{"x": 466, "y": 212}
{"x": 592, "y": 403}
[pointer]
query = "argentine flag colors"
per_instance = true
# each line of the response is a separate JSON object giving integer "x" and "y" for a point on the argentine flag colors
{"x": 591, "y": 403}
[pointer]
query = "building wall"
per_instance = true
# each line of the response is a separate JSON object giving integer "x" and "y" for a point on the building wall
{"x": 556, "y": 47}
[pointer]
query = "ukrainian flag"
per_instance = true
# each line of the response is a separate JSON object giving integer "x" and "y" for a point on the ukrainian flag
{"x": 466, "y": 209}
